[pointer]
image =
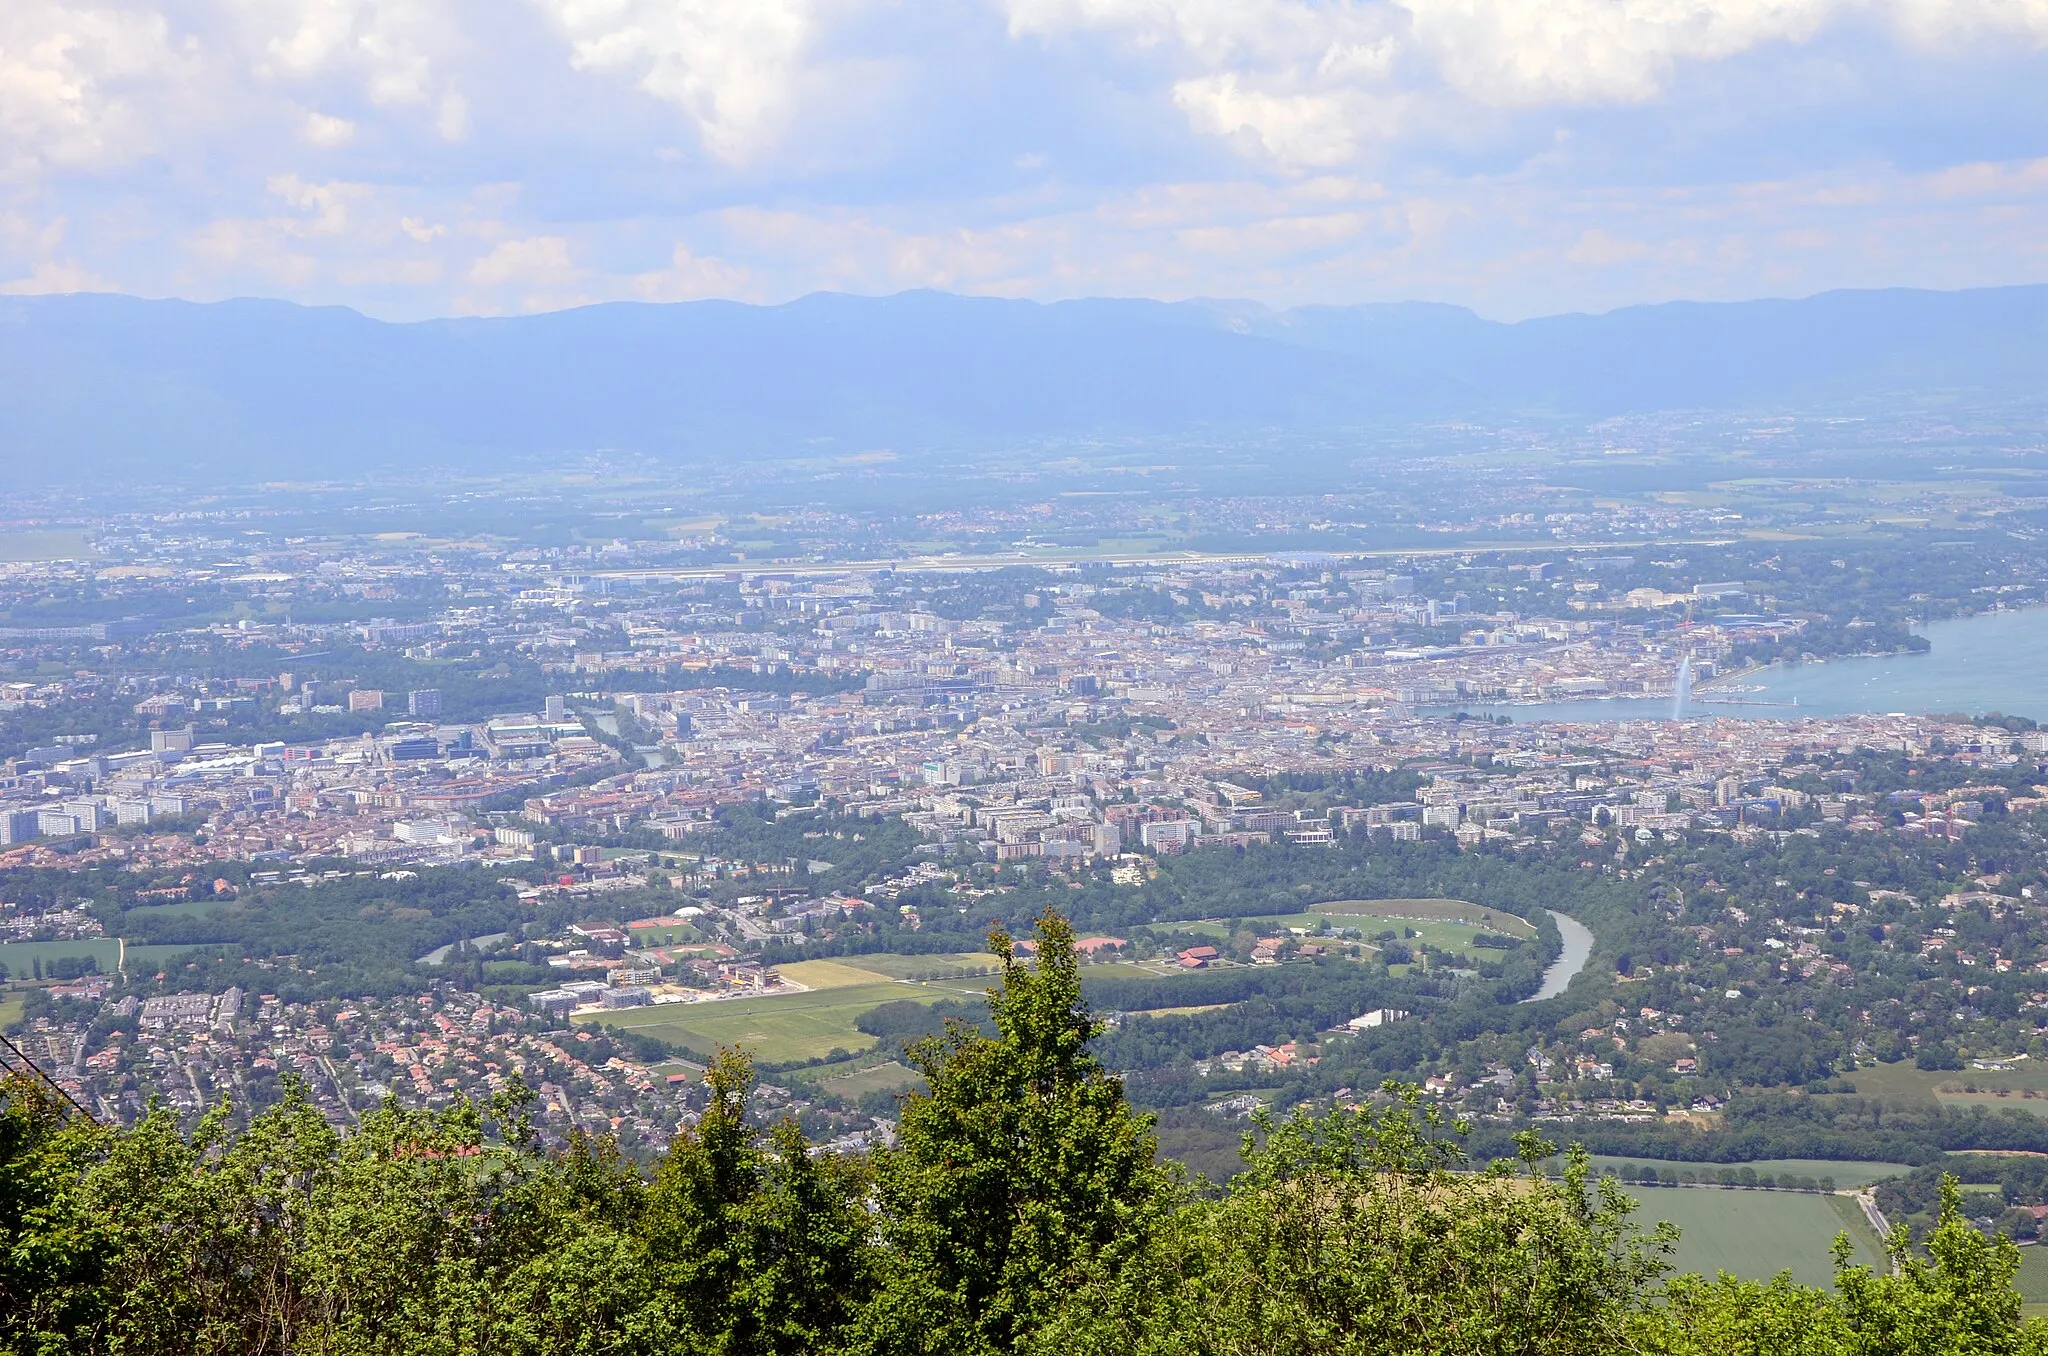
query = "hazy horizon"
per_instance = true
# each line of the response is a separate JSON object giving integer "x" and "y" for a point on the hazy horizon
{"x": 1249, "y": 303}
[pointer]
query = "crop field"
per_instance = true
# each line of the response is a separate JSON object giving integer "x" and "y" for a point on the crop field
{"x": 943, "y": 965}
{"x": 1757, "y": 1234}
{"x": 2032, "y": 1281}
{"x": 1846, "y": 1174}
{"x": 773, "y": 1028}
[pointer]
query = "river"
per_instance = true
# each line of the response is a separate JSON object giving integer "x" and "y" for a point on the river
{"x": 1578, "y": 949}
{"x": 1989, "y": 662}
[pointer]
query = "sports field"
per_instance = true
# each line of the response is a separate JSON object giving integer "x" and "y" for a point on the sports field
{"x": 664, "y": 932}
{"x": 1757, "y": 1234}
{"x": 829, "y": 974}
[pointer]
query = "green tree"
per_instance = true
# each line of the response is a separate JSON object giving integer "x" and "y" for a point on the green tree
{"x": 1017, "y": 1178}
{"x": 1358, "y": 1232}
{"x": 755, "y": 1252}
{"x": 51, "y": 1258}
{"x": 1955, "y": 1300}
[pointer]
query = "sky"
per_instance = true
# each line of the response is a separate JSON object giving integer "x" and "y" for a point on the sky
{"x": 415, "y": 158}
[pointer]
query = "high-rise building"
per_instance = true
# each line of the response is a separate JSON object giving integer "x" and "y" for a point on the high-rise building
{"x": 366, "y": 699}
{"x": 557, "y": 709}
{"x": 424, "y": 704}
{"x": 58, "y": 823}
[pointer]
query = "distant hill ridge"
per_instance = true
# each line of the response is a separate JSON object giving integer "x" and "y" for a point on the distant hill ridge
{"x": 104, "y": 384}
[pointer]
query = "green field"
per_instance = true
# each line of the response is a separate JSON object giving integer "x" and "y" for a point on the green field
{"x": 1757, "y": 1234}
{"x": 944, "y": 965}
{"x": 2032, "y": 1282}
{"x": 666, "y": 934}
{"x": 184, "y": 908}
{"x": 890, "y": 1077}
{"x": 20, "y": 957}
{"x": 1994, "y": 1091}
{"x": 60, "y": 544}
{"x": 1995, "y": 1101}
{"x": 1846, "y": 1174}
{"x": 1449, "y": 924}
{"x": 1418, "y": 911}
{"x": 773, "y": 1029}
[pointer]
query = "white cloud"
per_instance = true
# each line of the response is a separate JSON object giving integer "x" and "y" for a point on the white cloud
{"x": 70, "y": 78}
{"x": 689, "y": 277}
{"x": 326, "y": 131}
{"x": 422, "y": 156}
{"x": 731, "y": 66}
{"x": 1297, "y": 130}
{"x": 57, "y": 276}
{"x": 538, "y": 261}
{"x": 386, "y": 45}
{"x": 1552, "y": 52}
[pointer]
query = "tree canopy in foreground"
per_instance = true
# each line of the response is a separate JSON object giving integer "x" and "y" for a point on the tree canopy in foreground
{"x": 1021, "y": 1209}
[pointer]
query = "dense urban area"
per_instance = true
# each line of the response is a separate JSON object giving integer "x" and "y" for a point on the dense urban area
{"x": 296, "y": 813}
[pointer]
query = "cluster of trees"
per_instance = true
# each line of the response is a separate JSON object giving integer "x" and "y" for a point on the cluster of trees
{"x": 2000, "y": 1193}
{"x": 1022, "y": 1209}
{"x": 1744, "y": 1176}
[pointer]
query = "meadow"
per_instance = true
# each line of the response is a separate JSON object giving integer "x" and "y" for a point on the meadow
{"x": 1449, "y": 924}
{"x": 889, "y": 1077}
{"x": 773, "y": 1028}
{"x": 1757, "y": 1234}
{"x": 20, "y": 957}
{"x": 1419, "y": 911}
{"x": 2022, "y": 1088}
{"x": 943, "y": 965}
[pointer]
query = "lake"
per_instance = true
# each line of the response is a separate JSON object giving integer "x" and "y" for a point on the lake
{"x": 1995, "y": 661}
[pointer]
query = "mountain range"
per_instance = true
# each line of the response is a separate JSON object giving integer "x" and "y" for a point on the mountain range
{"x": 97, "y": 385}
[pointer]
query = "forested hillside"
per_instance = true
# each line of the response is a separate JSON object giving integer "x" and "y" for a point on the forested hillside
{"x": 1021, "y": 1208}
